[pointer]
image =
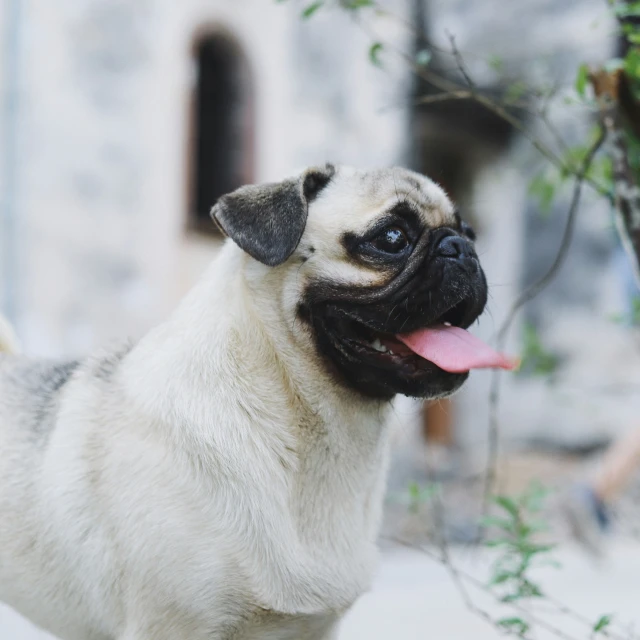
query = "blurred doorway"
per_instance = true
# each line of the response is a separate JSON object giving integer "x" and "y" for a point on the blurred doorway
{"x": 221, "y": 149}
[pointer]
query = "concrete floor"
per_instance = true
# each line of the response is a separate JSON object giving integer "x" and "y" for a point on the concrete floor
{"x": 414, "y": 598}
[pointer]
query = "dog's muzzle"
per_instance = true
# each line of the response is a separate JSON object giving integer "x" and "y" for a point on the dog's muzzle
{"x": 402, "y": 338}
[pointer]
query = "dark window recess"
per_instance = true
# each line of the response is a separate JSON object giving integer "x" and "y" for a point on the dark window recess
{"x": 221, "y": 149}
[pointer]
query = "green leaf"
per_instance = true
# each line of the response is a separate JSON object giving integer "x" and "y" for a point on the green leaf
{"x": 603, "y": 623}
{"x": 581, "y": 79}
{"x": 507, "y": 504}
{"x": 374, "y": 53}
{"x": 353, "y": 5}
{"x": 497, "y": 543}
{"x": 500, "y": 523}
{"x": 501, "y": 578}
{"x": 312, "y": 8}
{"x": 635, "y": 311}
{"x": 626, "y": 9}
{"x": 544, "y": 189}
{"x": 535, "y": 496}
{"x": 524, "y": 591}
{"x": 550, "y": 563}
{"x": 515, "y": 625}
{"x": 632, "y": 63}
{"x": 632, "y": 318}
{"x": 530, "y": 590}
{"x": 515, "y": 91}
{"x": 496, "y": 63}
{"x": 530, "y": 549}
{"x": 535, "y": 358}
{"x": 601, "y": 171}
{"x": 423, "y": 57}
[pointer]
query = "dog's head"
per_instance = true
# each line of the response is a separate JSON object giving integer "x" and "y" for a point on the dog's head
{"x": 365, "y": 257}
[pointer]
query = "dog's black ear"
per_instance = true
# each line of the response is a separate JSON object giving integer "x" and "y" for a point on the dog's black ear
{"x": 267, "y": 221}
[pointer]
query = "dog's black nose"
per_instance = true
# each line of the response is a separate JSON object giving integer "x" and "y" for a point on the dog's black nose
{"x": 455, "y": 247}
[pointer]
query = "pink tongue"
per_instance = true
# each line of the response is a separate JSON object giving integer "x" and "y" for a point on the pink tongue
{"x": 455, "y": 350}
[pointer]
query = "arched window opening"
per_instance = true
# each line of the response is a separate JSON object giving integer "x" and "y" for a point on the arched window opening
{"x": 222, "y": 133}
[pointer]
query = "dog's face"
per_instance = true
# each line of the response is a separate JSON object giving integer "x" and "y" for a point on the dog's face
{"x": 363, "y": 257}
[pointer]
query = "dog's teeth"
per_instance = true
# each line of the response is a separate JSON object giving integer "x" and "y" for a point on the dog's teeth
{"x": 446, "y": 324}
{"x": 391, "y": 353}
{"x": 378, "y": 346}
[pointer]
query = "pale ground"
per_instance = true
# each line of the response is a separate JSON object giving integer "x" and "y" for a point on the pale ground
{"x": 414, "y": 598}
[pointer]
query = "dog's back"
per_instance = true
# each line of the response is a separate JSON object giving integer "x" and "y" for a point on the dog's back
{"x": 29, "y": 390}
{"x": 32, "y": 393}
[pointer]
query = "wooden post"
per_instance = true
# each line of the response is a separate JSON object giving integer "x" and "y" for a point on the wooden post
{"x": 437, "y": 422}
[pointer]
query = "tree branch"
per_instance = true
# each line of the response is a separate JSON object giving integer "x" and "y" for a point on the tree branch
{"x": 459, "y": 61}
{"x": 462, "y": 577}
{"x": 527, "y": 295}
{"x": 616, "y": 106}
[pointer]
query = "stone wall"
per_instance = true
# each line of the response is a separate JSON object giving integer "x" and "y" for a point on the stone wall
{"x": 101, "y": 182}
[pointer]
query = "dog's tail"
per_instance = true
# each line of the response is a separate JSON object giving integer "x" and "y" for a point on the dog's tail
{"x": 8, "y": 339}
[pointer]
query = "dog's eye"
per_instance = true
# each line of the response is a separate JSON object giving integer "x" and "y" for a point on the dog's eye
{"x": 391, "y": 240}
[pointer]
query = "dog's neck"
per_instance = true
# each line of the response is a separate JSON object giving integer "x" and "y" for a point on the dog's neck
{"x": 231, "y": 386}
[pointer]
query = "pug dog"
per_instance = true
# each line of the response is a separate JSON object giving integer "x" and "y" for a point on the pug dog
{"x": 223, "y": 477}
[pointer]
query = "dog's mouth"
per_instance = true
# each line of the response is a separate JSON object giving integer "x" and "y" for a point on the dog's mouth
{"x": 444, "y": 342}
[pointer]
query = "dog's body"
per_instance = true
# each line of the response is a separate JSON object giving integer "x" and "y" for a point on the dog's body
{"x": 222, "y": 478}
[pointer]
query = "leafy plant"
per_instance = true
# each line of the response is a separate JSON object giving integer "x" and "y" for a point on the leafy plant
{"x": 312, "y": 8}
{"x": 515, "y": 537}
{"x": 419, "y": 495}
{"x": 632, "y": 317}
{"x": 535, "y": 358}
{"x": 602, "y": 624}
{"x": 515, "y": 626}
{"x": 515, "y": 525}
{"x": 374, "y": 53}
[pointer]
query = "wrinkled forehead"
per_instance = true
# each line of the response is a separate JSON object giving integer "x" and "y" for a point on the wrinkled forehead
{"x": 354, "y": 199}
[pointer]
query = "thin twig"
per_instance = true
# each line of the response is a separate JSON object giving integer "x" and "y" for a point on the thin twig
{"x": 452, "y": 91}
{"x": 527, "y": 295}
{"x": 462, "y": 94}
{"x": 532, "y": 291}
{"x": 547, "y": 122}
{"x": 463, "y": 576}
{"x": 459, "y": 61}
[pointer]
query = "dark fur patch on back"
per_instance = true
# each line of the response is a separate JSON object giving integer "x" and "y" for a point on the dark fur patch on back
{"x": 34, "y": 392}
{"x": 105, "y": 367}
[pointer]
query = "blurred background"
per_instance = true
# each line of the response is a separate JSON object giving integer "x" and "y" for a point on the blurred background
{"x": 121, "y": 123}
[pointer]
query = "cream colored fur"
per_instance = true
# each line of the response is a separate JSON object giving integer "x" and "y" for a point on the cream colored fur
{"x": 215, "y": 481}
